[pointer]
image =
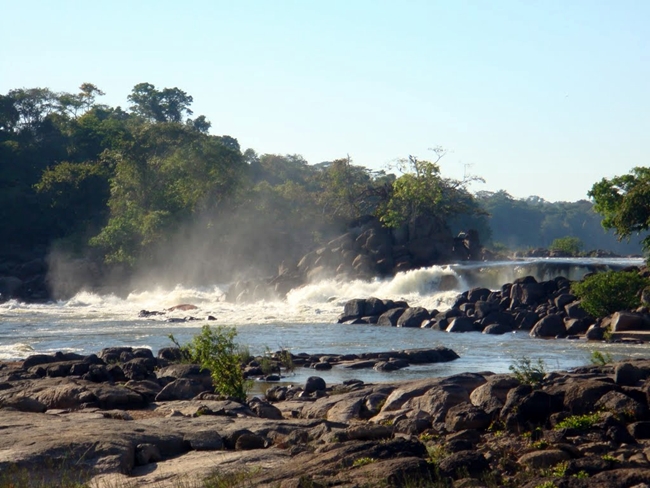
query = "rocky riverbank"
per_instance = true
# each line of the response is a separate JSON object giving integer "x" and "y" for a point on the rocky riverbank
{"x": 545, "y": 309}
{"x": 128, "y": 418}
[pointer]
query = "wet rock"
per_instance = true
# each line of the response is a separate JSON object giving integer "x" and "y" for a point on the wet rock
{"x": 413, "y": 317}
{"x": 314, "y": 383}
{"x": 549, "y": 326}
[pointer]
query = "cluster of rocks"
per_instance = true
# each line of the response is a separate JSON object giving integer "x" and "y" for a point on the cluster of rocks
{"x": 379, "y": 361}
{"x": 23, "y": 279}
{"x": 367, "y": 250}
{"x": 542, "y": 309}
{"x": 589, "y": 427}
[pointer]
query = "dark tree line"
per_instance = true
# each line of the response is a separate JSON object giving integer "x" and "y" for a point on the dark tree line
{"x": 118, "y": 184}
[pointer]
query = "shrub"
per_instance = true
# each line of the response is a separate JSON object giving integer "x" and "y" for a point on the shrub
{"x": 605, "y": 293}
{"x": 569, "y": 245}
{"x": 579, "y": 422}
{"x": 215, "y": 349}
{"x": 600, "y": 359}
{"x": 528, "y": 372}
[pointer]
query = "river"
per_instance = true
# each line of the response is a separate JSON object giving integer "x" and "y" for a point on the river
{"x": 306, "y": 321}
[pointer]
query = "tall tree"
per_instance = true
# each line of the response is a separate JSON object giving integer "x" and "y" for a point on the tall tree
{"x": 166, "y": 105}
{"x": 624, "y": 202}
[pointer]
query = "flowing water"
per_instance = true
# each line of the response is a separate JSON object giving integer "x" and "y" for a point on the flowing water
{"x": 306, "y": 321}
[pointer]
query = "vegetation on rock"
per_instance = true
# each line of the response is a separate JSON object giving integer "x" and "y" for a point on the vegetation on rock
{"x": 215, "y": 349}
{"x": 604, "y": 293}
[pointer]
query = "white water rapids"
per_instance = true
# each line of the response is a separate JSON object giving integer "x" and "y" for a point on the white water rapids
{"x": 306, "y": 321}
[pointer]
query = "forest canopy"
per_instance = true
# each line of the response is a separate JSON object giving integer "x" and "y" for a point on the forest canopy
{"x": 123, "y": 185}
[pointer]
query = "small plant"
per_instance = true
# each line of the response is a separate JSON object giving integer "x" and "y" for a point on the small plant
{"x": 425, "y": 437}
{"x": 436, "y": 453}
{"x": 215, "y": 350}
{"x": 539, "y": 445}
{"x": 582, "y": 474}
{"x": 286, "y": 360}
{"x": 546, "y": 484}
{"x": 579, "y": 422}
{"x": 528, "y": 372}
{"x": 600, "y": 359}
{"x": 559, "y": 470}
{"x": 602, "y": 294}
{"x": 362, "y": 461}
{"x": 244, "y": 352}
{"x": 610, "y": 458}
{"x": 266, "y": 362}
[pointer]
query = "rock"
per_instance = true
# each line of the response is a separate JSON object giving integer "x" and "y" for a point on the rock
{"x": 462, "y": 324}
{"x": 595, "y": 333}
{"x": 463, "y": 463}
{"x": 491, "y": 396}
{"x": 413, "y": 317}
{"x": 639, "y": 430}
{"x": 314, "y": 383}
{"x": 466, "y": 417}
{"x": 497, "y": 329}
{"x": 564, "y": 299}
{"x": 368, "y": 432}
{"x": 580, "y": 398}
{"x": 247, "y": 442}
{"x": 476, "y": 294}
{"x": 391, "y": 317}
{"x": 576, "y": 326}
{"x": 180, "y": 389}
{"x": 626, "y": 374}
{"x": 618, "y": 403}
{"x": 204, "y": 440}
{"x": 574, "y": 310}
{"x": 146, "y": 453}
{"x": 543, "y": 459}
{"x": 626, "y": 321}
{"x": 171, "y": 354}
{"x": 353, "y": 309}
{"x": 549, "y": 326}
{"x": 265, "y": 410}
{"x": 23, "y": 404}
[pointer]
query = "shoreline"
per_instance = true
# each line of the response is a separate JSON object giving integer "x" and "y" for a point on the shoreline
{"x": 512, "y": 430}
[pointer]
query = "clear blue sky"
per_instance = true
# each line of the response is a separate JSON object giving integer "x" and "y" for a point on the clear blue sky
{"x": 540, "y": 97}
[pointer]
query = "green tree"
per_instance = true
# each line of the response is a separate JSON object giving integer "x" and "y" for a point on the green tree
{"x": 170, "y": 173}
{"x": 624, "y": 202}
{"x": 421, "y": 190}
{"x": 602, "y": 294}
{"x": 166, "y": 105}
{"x": 215, "y": 349}
{"x": 570, "y": 245}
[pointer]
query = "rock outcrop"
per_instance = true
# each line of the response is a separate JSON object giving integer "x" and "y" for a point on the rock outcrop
{"x": 589, "y": 427}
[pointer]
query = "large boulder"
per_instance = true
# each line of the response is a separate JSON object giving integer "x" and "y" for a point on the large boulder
{"x": 413, "y": 317}
{"x": 550, "y": 326}
{"x": 391, "y": 317}
{"x": 626, "y": 321}
{"x": 462, "y": 324}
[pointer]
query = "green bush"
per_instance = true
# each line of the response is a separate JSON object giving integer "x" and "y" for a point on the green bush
{"x": 605, "y": 293}
{"x": 569, "y": 245}
{"x": 215, "y": 349}
{"x": 528, "y": 372}
{"x": 579, "y": 422}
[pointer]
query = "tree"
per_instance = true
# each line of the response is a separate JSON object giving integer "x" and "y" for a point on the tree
{"x": 569, "y": 245}
{"x": 167, "y": 105}
{"x": 624, "y": 202}
{"x": 422, "y": 190}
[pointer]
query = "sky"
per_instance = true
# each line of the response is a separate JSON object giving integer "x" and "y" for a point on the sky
{"x": 537, "y": 97}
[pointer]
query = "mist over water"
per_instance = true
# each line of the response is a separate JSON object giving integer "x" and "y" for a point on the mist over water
{"x": 304, "y": 322}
